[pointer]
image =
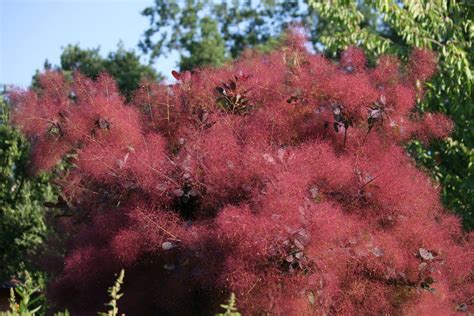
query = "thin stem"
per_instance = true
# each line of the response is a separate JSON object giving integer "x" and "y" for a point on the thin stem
{"x": 345, "y": 137}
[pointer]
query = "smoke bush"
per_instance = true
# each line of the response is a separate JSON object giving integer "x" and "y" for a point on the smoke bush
{"x": 280, "y": 177}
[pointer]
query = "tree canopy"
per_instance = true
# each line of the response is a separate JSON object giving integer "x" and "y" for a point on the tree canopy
{"x": 211, "y": 32}
{"x": 123, "y": 65}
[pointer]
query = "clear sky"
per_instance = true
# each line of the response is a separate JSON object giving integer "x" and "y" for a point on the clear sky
{"x": 32, "y": 31}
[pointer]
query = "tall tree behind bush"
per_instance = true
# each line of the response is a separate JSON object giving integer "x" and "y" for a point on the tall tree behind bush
{"x": 445, "y": 27}
{"x": 123, "y": 65}
{"x": 211, "y": 32}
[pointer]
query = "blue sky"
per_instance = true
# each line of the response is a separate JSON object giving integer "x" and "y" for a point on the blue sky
{"x": 34, "y": 30}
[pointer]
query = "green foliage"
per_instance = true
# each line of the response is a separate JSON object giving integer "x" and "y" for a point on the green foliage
{"x": 22, "y": 221}
{"x": 115, "y": 295}
{"x": 123, "y": 65}
{"x": 27, "y": 299}
{"x": 30, "y": 298}
{"x": 445, "y": 27}
{"x": 230, "y": 308}
{"x": 88, "y": 61}
{"x": 210, "y": 50}
{"x": 211, "y": 32}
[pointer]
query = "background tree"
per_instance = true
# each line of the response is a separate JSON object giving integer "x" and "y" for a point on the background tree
{"x": 229, "y": 26}
{"x": 22, "y": 220}
{"x": 208, "y": 50}
{"x": 445, "y": 27}
{"x": 123, "y": 65}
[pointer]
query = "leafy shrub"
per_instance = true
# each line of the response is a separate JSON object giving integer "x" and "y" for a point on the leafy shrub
{"x": 230, "y": 307}
{"x": 27, "y": 298}
{"x": 23, "y": 225}
{"x": 31, "y": 299}
{"x": 29, "y": 295}
{"x": 280, "y": 177}
{"x": 115, "y": 295}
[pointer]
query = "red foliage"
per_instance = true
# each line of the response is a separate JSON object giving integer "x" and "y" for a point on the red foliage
{"x": 279, "y": 177}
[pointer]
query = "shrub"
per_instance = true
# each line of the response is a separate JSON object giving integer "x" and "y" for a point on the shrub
{"x": 281, "y": 178}
{"x": 23, "y": 226}
{"x": 31, "y": 299}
